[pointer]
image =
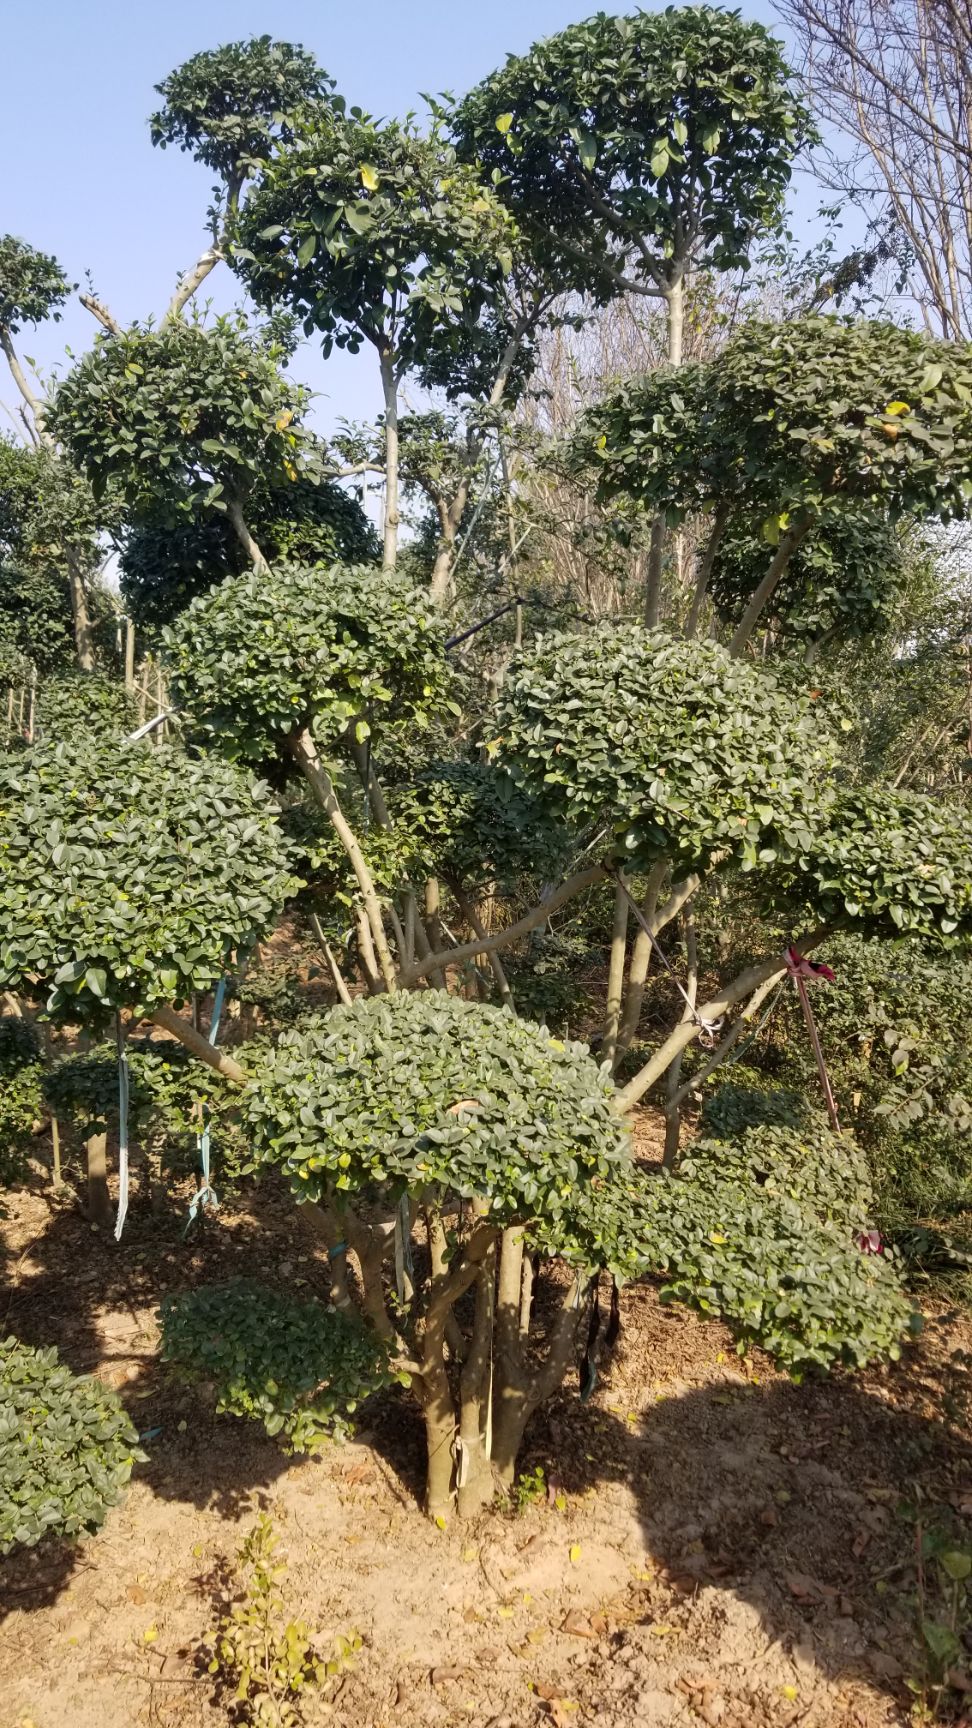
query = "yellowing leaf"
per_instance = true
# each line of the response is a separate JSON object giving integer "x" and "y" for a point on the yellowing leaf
{"x": 150, "y": 1634}
{"x": 898, "y": 408}
{"x": 715, "y": 1237}
{"x": 505, "y": 1613}
{"x": 283, "y": 420}
{"x": 503, "y": 123}
{"x": 369, "y": 178}
{"x": 575, "y": 1553}
{"x": 790, "y": 1692}
{"x": 440, "y": 1522}
{"x": 469, "y": 1554}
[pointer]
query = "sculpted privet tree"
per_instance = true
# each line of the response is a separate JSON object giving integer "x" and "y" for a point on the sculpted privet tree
{"x": 305, "y": 666}
{"x": 505, "y": 1144}
{"x": 373, "y": 234}
{"x": 33, "y": 288}
{"x": 186, "y": 417}
{"x": 230, "y": 108}
{"x": 793, "y": 425}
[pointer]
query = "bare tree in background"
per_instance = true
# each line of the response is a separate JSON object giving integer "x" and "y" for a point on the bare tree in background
{"x": 895, "y": 78}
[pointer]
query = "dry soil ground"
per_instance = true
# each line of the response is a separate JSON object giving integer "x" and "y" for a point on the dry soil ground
{"x": 717, "y": 1545}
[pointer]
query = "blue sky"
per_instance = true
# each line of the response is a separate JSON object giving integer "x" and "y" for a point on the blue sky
{"x": 83, "y": 181}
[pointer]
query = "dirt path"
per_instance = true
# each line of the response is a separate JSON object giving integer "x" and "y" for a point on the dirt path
{"x": 709, "y": 1543}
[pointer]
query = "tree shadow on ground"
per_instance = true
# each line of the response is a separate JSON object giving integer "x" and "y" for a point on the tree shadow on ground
{"x": 72, "y": 1286}
{"x": 786, "y": 1499}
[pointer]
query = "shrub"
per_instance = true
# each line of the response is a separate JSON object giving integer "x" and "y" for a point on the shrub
{"x": 128, "y": 874}
{"x": 733, "y": 1109}
{"x": 21, "y": 1105}
{"x": 263, "y": 656}
{"x": 300, "y": 1368}
{"x": 799, "y": 1288}
{"x": 678, "y": 750}
{"x": 67, "y": 1448}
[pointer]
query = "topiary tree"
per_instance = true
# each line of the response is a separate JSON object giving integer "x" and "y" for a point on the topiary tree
{"x": 230, "y": 108}
{"x": 128, "y": 877}
{"x": 188, "y": 417}
{"x": 641, "y": 148}
{"x": 305, "y": 662}
{"x": 793, "y": 425}
{"x": 67, "y": 1447}
{"x": 33, "y": 288}
{"x": 373, "y": 234}
{"x": 506, "y": 1143}
{"x": 167, "y": 559}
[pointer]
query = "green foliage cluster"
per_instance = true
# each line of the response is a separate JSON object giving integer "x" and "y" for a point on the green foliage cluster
{"x": 800, "y": 418}
{"x": 67, "y": 1448}
{"x": 825, "y": 1174}
{"x": 471, "y": 824}
{"x": 891, "y": 864}
{"x": 230, "y": 106}
{"x": 896, "y": 1035}
{"x": 128, "y": 874}
{"x": 734, "y": 1108}
{"x": 33, "y": 287}
{"x": 21, "y": 1104}
{"x": 797, "y": 1287}
{"x": 75, "y": 705}
{"x": 184, "y": 414}
{"x": 166, "y": 1088}
{"x": 300, "y": 1368}
{"x": 371, "y": 233}
{"x": 678, "y": 750}
{"x": 434, "y": 1095}
{"x": 431, "y": 1093}
{"x": 846, "y": 580}
{"x": 266, "y": 1661}
{"x": 263, "y": 656}
{"x": 167, "y": 560}
{"x": 627, "y": 141}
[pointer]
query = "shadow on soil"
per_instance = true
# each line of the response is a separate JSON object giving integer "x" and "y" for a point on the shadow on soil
{"x": 790, "y": 1497}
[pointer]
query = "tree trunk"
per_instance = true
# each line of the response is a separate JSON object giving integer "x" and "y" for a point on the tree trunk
{"x": 704, "y": 571}
{"x": 99, "y": 1200}
{"x": 475, "y": 1480}
{"x": 389, "y": 385}
{"x": 199, "y": 1046}
{"x": 234, "y": 512}
{"x": 304, "y": 751}
{"x": 615, "y": 988}
{"x": 83, "y": 638}
{"x": 672, "y": 1110}
{"x": 717, "y": 1006}
{"x": 789, "y": 543}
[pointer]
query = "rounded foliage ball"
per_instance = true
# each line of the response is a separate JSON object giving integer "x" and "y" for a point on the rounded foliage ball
{"x": 427, "y": 1092}
{"x": 67, "y": 1447}
{"x": 265, "y": 655}
{"x": 890, "y": 864}
{"x": 678, "y": 750}
{"x": 128, "y": 874}
{"x": 298, "y": 1366}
